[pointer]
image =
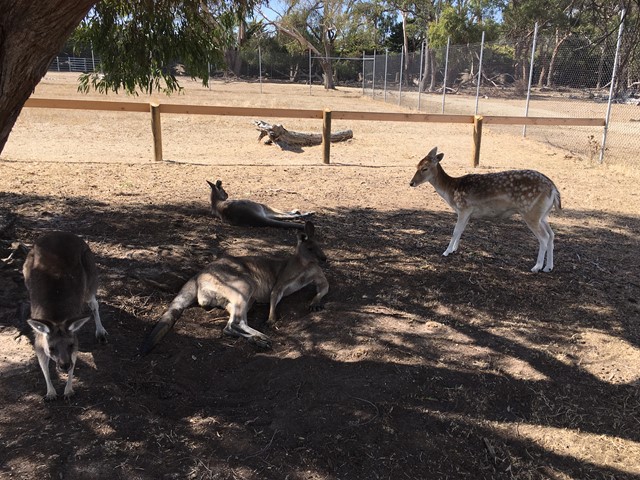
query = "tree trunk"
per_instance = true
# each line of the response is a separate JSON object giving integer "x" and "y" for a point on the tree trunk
{"x": 554, "y": 57}
{"x": 31, "y": 34}
{"x": 327, "y": 69}
{"x": 405, "y": 47}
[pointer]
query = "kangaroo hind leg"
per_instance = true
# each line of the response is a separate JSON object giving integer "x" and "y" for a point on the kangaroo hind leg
{"x": 239, "y": 297}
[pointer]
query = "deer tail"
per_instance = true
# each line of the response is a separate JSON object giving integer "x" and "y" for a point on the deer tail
{"x": 183, "y": 300}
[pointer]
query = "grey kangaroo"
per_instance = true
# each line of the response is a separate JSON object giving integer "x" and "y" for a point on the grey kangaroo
{"x": 61, "y": 277}
{"x": 246, "y": 213}
{"x": 234, "y": 283}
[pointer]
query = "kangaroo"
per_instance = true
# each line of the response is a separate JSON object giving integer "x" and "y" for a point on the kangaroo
{"x": 527, "y": 192}
{"x": 61, "y": 277}
{"x": 246, "y": 213}
{"x": 234, "y": 283}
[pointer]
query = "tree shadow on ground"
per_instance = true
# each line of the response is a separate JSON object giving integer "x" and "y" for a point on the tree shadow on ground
{"x": 420, "y": 366}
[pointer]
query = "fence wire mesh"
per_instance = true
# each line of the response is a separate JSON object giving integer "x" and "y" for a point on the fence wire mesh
{"x": 571, "y": 78}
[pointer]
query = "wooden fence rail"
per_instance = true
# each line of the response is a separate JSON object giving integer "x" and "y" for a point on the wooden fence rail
{"x": 476, "y": 121}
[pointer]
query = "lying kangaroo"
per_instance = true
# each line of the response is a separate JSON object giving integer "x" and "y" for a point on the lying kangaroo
{"x": 246, "y": 213}
{"x": 527, "y": 192}
{"x": 234, "y": 283}
{"x": 61, "y": 277}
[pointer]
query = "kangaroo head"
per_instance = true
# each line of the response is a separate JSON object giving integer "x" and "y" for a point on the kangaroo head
{"x": 218, "y": 193}
{"x": 427, "y": 167}
{"x": 308, "y": 247}
{"x": 59, "y": 340}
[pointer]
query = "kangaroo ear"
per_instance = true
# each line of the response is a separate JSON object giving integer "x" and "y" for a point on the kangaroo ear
{"x": 77, "y": 324}
{"x": 439, "y": 157}
{"x": 210, "y": 184}
{"x": 433, "y": 152}
{"x": 39, "y": 326}
{"x": 302, "y": 237}
{"x": 309, "y": 229}
{"x": 219, "y": 183}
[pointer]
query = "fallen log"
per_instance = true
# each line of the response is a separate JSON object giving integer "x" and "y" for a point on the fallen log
{"x": 288, "y": 140}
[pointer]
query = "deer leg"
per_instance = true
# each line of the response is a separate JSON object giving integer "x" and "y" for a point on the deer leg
{"x": 101, "y": 333}
{"x": 549, "y": 265}
{"x": 43, "y": 360}
{"x": 536, "y": 226}
{"x": 461, "y": 224}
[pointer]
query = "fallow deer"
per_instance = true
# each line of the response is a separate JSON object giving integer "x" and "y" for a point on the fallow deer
{"x": 247, "y": 213}
{"x": 61, "y": 277}
{"x": 234, "y": 283}
{"x": 527, "y": 192}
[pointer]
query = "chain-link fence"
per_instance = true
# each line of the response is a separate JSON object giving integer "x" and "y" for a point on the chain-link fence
{"x": 570, "y": 76}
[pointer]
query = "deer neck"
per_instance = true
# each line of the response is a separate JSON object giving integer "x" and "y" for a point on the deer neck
{"x": 444, "y": 184}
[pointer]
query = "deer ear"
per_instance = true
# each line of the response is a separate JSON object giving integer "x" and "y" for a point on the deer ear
{"x": 439, "y": 157}
{"x": 77, "y": 324}
{"x": 309, "y": 229}
{"x": 39, "y": 326}
{"x": 210, "y": 184}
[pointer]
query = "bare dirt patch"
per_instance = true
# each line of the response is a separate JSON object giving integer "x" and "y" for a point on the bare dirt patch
{"x": 420, "y": 366}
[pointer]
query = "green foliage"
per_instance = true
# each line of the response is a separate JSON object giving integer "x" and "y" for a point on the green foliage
{"x": 137, "y": 42}
{"x": 456, "y": 25}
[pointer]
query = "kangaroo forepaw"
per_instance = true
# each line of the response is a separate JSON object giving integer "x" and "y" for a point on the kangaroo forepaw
{"x": 69, "y": 394}
{"x": 50, "y": 397}
{"x": 316, "y": 307}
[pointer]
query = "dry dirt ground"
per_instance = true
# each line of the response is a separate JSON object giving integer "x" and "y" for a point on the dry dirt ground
{"x": 420, "y": 367}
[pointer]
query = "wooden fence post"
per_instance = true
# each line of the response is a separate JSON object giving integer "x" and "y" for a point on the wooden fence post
{"x": 156, "y": 130}
{"x": 477, "y": 138}
{"x": 326, "y": 136}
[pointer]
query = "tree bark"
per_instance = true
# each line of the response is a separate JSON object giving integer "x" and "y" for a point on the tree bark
{"x": 31, "y": 34}
{"x": 288, "y": 140}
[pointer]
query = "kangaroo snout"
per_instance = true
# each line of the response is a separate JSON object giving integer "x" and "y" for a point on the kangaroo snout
{"x": 412, "y": 183}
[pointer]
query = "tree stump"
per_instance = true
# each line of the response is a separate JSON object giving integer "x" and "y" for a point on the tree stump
{"x": 294, "y": 141}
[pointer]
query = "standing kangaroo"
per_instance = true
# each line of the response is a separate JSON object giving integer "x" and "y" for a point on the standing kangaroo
{"x": 246, "y": 213}
{"x": 61, "y": 277}
{"x": 234, "y": 283}
{"x": 527, "y": 192}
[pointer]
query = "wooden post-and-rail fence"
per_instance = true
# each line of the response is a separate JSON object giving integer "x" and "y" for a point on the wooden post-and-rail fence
{"x": 326, "y": 115}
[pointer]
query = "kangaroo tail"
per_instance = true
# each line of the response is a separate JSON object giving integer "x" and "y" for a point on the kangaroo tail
{"x": 183, "y": 300}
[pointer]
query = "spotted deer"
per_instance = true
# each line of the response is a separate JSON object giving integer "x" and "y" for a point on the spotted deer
{"x": 527, "y": 192}
{"x": 247, "y": 213}
{"x": 61, "y": 277}
{"x": 234, "y": 283}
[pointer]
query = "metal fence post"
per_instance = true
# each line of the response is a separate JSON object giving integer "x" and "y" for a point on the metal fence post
{"x": 309, "y": 72}
{"x": 93, "y": 59}
{"x": 373, "y": 77}
{"x": 533, "y": 53}
{"x": 446, "y": 67}
{"x": 479, "y": 74}
{"x": 420, "y": 76}
{"x": 363, "y": 73}
{"x": 260, "y": 67}
{"x": 611, "y": 87}
{"x": 386, "y": 61}
{"x": 400, "y": 85}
